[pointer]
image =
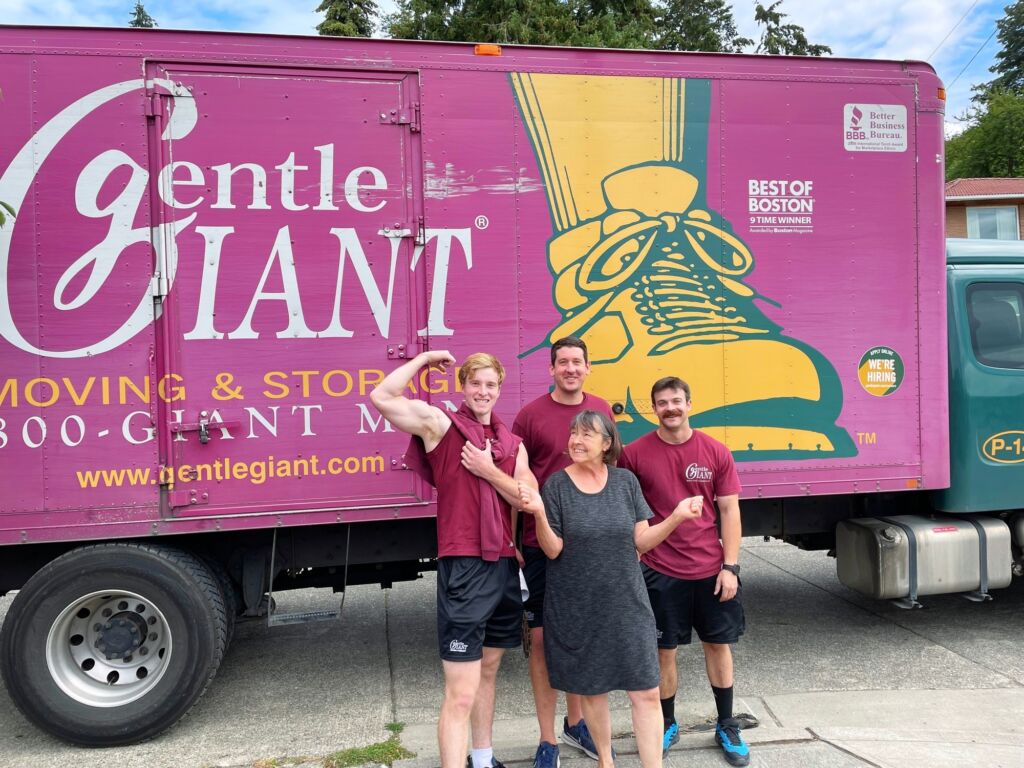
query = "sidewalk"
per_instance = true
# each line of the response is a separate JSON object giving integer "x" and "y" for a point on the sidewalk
{"x": 933, "y": 728}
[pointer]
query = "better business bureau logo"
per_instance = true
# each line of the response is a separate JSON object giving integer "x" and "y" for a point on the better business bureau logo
{"x": 875, "y": 128}
{"x": 854, "y": 131}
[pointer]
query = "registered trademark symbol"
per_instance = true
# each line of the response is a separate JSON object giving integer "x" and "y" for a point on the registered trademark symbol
{"x": 482, "y": 222}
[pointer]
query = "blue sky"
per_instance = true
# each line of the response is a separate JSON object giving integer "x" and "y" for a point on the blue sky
{"x": 904, "y": 29}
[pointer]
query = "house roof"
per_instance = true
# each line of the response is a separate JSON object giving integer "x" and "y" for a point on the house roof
{"x": 984, "y": 189}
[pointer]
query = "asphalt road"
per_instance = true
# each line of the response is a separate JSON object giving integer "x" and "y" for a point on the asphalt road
{"x": 314, "y": 689}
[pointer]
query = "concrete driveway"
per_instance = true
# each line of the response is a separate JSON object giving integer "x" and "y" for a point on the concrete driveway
{"x": 834, "y": 678}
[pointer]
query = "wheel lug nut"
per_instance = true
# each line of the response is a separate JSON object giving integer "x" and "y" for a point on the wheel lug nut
{"x": 106, "y": 613}
{"x": 143, "y": 651}
{"x": 152, "y": 636}
{"x": 151, "y": 620}
{"x": 107, "y": 625}
{"x": 128, "y": 657}
{"x": 97, "y": 627}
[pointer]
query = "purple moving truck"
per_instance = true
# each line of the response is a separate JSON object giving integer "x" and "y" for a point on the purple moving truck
{"x": 224, "y": 241}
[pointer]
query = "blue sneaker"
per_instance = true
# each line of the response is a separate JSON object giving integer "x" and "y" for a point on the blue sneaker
{"x": 546, "y": 756}
{"x": 671, "y": 737}
{"x": 579, "y": 736}
{"x": 727, "y": 734}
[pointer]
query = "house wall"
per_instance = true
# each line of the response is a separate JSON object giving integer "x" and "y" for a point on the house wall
{"x": 956, "y": 220}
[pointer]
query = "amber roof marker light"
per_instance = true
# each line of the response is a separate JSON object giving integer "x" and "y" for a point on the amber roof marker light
{"x": 942, "y": 94}
{"x": 487, "y": 49}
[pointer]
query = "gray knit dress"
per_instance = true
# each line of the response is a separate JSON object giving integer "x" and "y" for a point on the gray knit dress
{"x": 599, "y": 631}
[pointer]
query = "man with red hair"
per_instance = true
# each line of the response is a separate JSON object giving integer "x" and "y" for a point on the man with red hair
{"x": 474, "y": 461}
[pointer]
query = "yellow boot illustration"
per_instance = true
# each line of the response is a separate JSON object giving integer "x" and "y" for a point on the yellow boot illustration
{"x": 651, "y": 278}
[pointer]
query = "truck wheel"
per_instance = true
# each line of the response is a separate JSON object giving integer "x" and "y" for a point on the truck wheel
{"x": 112, "y": 643}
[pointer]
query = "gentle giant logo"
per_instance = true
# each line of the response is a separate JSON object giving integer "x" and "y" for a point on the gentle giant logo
{"x": 115, "y": 171}
{"x": 695, "y": 473}
{"x": 1005, "y": 447}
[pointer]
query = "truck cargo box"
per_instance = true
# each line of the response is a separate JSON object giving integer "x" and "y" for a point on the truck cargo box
{"x": 223, "y": 241}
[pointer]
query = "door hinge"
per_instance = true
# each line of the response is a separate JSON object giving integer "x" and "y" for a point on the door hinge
{"x": 158, "y": 286}
{"x": 153, "y": 101}
{"x": 400, "y": 351}
{"x": 416, "y": 229}
{"x": 151, "y": 104}
{"x": 396, "y": 116}
{"x": 193, "y": 497}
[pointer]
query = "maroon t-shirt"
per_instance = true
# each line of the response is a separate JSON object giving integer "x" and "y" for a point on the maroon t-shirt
{"x": 544, "y": 427}
{"x": 669, "y": 473}
{"x": 458, "y": 499}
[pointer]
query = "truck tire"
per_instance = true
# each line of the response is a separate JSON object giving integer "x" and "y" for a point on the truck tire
{"x": 231, "y": 594}
{"x": 112, "y": 643}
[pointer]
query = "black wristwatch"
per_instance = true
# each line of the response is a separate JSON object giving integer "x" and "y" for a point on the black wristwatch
{"x": 734, "y": 569}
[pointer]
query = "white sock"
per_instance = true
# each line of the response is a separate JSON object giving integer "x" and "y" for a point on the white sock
{"x": 483, "y": 758}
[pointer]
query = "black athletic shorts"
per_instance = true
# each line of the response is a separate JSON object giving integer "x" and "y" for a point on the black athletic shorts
{"x": 682, "y": 605}
{"x": 535, "y": 571}
{"x": 479, "y": 604}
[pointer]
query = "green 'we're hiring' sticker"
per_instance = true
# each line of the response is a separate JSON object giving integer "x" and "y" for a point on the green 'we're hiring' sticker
{"x": 880, "y": 371}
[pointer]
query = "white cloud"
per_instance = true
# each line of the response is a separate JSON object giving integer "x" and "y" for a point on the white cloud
{"x": 910, "y": 29}
{"x": 288, "y": 17}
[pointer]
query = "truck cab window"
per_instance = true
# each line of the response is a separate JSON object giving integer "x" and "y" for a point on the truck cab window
{"x": 995, "y": 312}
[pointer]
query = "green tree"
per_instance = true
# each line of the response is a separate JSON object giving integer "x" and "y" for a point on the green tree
{"x": 347, "y": 18}
{"x": 993, "y": 145}
{"x": 423, "y": 20}
{"x": 1009, "y": 66}
{"x": 595, "y": 23}
{"x": 779, "y": 38}
{"x": 140, "y": 18}
{"x": 698, "y": 25}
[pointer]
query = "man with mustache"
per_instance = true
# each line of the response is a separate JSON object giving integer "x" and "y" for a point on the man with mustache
{"x": 475, "y": 462}
{"x": 692, "y": 576}
{"x": 544, "y": 426}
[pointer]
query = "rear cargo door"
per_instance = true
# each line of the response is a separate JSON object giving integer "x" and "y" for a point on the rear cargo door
{"x": 816, "y": 181}
{"x": 291, "y": 284}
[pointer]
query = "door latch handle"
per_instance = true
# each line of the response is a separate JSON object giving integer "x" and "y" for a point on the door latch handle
{"x": 203, "y": 426}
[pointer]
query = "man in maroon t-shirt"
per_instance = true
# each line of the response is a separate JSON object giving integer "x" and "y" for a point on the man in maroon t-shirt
{"x": 544, "y": 426}
{"x": 475, "y": 462}
{"x": 692, "y": 577}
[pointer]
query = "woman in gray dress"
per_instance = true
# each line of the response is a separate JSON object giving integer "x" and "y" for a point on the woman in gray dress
{"x": 599, "y": 631}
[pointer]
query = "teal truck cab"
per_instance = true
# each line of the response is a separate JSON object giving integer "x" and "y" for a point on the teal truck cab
{"x": 986, "y": 376}
{"x": 966, "y": 538}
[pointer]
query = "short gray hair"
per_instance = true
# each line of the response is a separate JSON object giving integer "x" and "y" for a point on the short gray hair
{"x": 599, "y": 422}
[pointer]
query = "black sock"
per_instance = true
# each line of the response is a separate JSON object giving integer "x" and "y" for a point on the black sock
{"x": 723, "y": 700}
{"x": 668, "y": 710}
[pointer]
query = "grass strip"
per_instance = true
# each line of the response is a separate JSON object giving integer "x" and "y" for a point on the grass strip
{"x": 382, "y": 753}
